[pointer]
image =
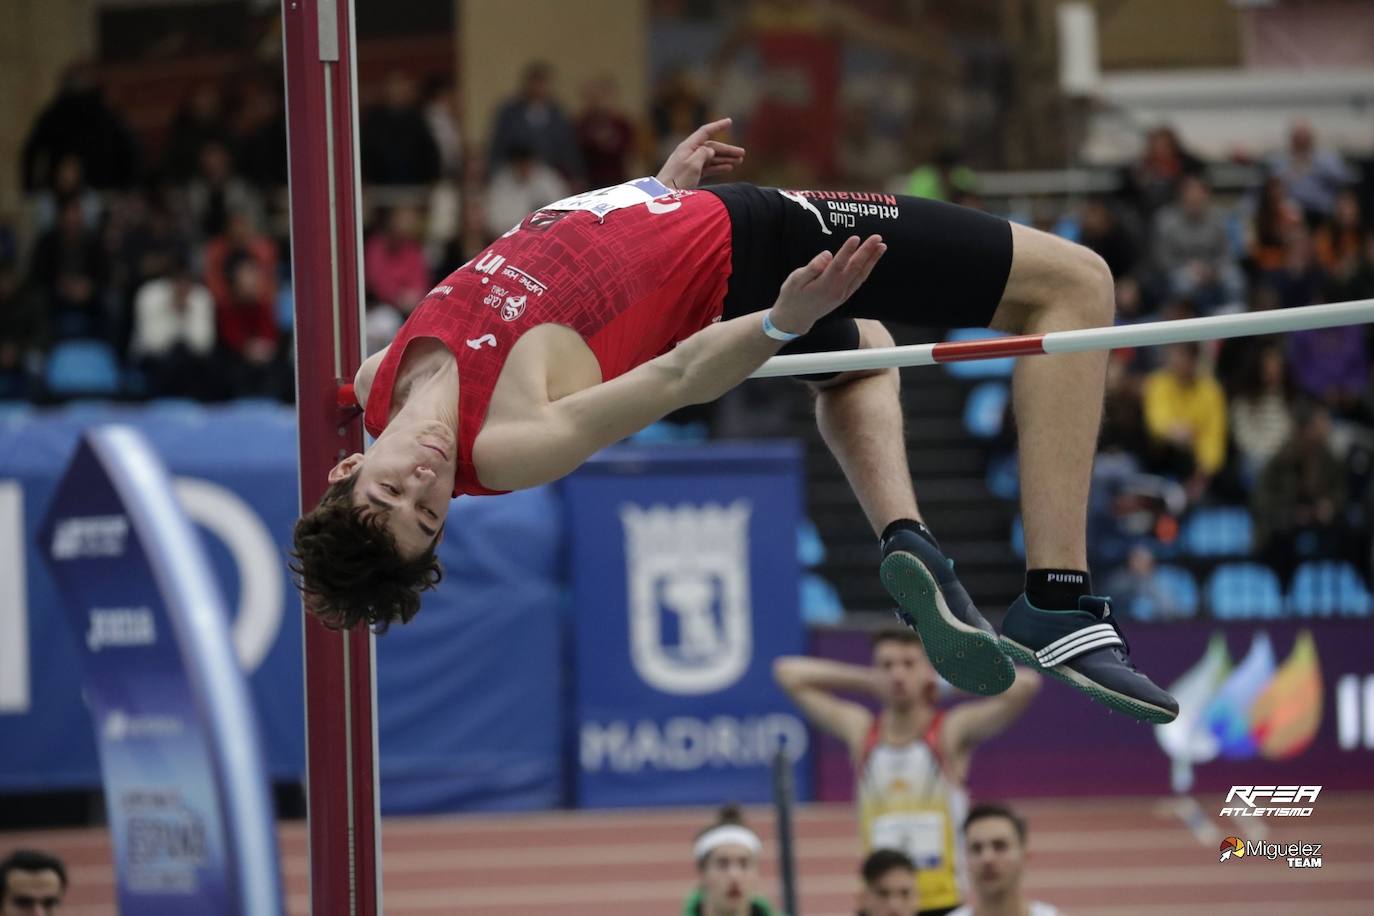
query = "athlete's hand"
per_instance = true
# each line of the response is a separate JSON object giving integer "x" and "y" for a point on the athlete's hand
{"x": 700, "y": 157}
{"x": 817, "y": 288}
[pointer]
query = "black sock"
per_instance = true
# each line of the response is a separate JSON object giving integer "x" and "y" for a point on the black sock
{"x": 1057, "y": 589}
{"x": 909, "y": 524}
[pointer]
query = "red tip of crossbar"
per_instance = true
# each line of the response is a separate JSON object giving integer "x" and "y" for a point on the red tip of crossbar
{"x": 953, "y": 352}
{"x": 347, "y": 397}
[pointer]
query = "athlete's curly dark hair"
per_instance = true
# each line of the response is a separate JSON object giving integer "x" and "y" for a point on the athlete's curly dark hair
{"x": 349, "y": 569}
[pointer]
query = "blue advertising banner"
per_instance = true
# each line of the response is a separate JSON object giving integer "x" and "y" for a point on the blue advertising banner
{"x": 684, "y": 591}
{"x": 460, "y": 726}
{"x": 185, "y": 789}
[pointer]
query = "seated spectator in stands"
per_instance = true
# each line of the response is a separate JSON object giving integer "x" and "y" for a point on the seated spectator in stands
{"x": 173, "y": 334}
{"x": 1193, "y": 249}
{"x": 1262, "y": 411}
{"x": 199, "y": 122}
{"x": 1338, "y": 242}
{"x": 889, "y": 878}
{"x": 727, "y": 856}
{"x": 1299, "y": 502}
{"x": 1331, "y": 365}
{"x": 678, "y": 108}
{"x": 241, "y": 238}
{"x": 21, "y": 328}
{"x": 1137, "y": 590}
{"x": 155, "y": 245}
{"x": 394, "y": 261}
{"x": 1311, "y": 175}
{"x": 1299, "y": 281}
{"x": 32, "y": 883}
{"x": 215, "y": 191}
{"x": 1185, "y": 409}
{"x": 605, "y": 134}
{"x": 246, "y": 323}
{"x": 70, "y": 270}
{"x": 944, "y": 178}
{"x": 441, "y": 113}
{"x": 68, "y": 182}
{"x": 519, "y": 187}
{"x": 1152, "y": 180}
{"x": 397, "y": 147}
{"x": 1105, "y": 232}
{"x": 262, "y": 137}
{"x": 78, "y": 121}
{"x": 533, "y": 123}
{"x": 1275, "y": 216}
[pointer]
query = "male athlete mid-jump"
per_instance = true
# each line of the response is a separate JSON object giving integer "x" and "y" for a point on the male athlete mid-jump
{"x": 599, "y": 314}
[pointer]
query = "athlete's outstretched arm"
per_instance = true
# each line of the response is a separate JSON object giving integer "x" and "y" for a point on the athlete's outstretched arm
{"x": 557, "y": 437}
{"x": 811, "y": 683}
{"x": 972, "y": 723}
{"x": 699, "y": 157}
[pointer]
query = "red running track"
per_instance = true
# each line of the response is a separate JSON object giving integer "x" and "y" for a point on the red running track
{"x": 1103, "y": 856}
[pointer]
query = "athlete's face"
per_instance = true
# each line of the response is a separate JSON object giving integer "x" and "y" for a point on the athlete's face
{"x": 996, "y": 856}
{"x": 894, "y": 894}
{"x": 407, "y": 476}
{"x": 906, "y": 673}
{"x": 728, "y": 879}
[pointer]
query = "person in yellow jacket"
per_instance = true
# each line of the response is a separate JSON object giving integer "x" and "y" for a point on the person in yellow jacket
{"x": 1185, "y": 408}
{"x": 912, "y": 757}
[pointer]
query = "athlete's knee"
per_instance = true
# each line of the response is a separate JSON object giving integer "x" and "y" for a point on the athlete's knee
{"x": 1097, "y": 305}
{"x": 1057, "y": 285}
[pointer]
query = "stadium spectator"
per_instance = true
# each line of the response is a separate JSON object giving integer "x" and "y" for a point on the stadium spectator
{"x": 68, "y": 182}
{"x": 246, "y": 324}
{"x": 534, "y": 122}
{"x": 1299, "y": 503}
{"x": 1105, "y": 232}
{"x": 678, "y": 107}
{"x": 1193, "y": 249}
{"x": 440, "y": 109}
{"x": 21, "y": 328}
{"x": 201, "y": 121}
{"x": 69, "y": 268}
{"x": 605, "y": 134}
{"x": 1137, "y": 589}
{"x": 1331, "y": 365}
{"x": 945, "y": 178}
{"x": 397, "y": 146}
{"x": 1185, "y": 414}
{"x": 155, "y": 244}
{"x": 1338, "y": 242}
{"x": 889, "y": 884}
{"x": 519, "y": 187}
{"x": 1299, "y": 281}
{"x": 727, "y": 857}
{"x": 173, "y": 333}
{"x": 216, "y": 191}
{"x": 1311, "y": 175}
{"x": 1262, "y": 411}
{"x": 32, "y": 883}
{"x": 1152, "y": 180}
{"x": 996, "y": 839}
{"x": 1276, "y": 215}
{"x": 396, "y": 270}
{"x": 261, "y": 130}
{"x": 911, "y": 759}
{"x": 79, "y": 122}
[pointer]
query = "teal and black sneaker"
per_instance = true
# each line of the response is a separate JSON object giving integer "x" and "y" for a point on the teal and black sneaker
{"x": 960, "y": 643}
{"x": 1085, "y": 649}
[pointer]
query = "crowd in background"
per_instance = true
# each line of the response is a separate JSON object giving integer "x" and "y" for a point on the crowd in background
{"x": 176, "y": 260}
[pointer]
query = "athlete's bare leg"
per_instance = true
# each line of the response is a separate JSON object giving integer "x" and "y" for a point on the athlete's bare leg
{"x": 860, "y": 418}
{"x": 1055, "y": 286}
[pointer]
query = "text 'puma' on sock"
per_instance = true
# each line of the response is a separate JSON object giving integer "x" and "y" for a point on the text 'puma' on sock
{"x": 1057, "y": 589}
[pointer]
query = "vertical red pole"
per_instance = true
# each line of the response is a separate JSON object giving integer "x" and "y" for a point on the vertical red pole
{"x": 340, "y": 688}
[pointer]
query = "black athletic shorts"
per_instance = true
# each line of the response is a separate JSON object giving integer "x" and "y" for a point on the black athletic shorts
{"x": 946, "y": 266}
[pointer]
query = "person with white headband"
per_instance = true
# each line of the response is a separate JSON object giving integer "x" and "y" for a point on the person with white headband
{"x": 727, "y": 856}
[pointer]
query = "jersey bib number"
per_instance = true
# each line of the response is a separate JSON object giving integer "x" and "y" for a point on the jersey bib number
{"x": 647, "y": 191}
{"x": 921, "y": 835}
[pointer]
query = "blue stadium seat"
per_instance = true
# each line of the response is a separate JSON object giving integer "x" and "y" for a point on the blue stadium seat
{"x": 1178, "y": 594}
{"x": 1218, "y": 531}
{"x": 985, "y": 408}
{"x": 1325, "y": 588}
{"x": 1018, "y": 536}
{"x": 1003, "y": 477}
{"x": 1244, "y": 591}
{"x": 820, "y": 603}
{"x": 810, "y": 547}
{"x": 82, "y": 367}
{"x": 979, "y": 368}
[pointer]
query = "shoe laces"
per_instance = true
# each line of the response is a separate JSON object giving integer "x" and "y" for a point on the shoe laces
{"x": 1123, "y": 651}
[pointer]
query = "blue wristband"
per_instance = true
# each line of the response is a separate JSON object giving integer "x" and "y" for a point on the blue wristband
{"x": 773, "y": 330}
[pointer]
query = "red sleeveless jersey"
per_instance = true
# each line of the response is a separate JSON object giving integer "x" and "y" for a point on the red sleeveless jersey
{"x": 631, "y": 270}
